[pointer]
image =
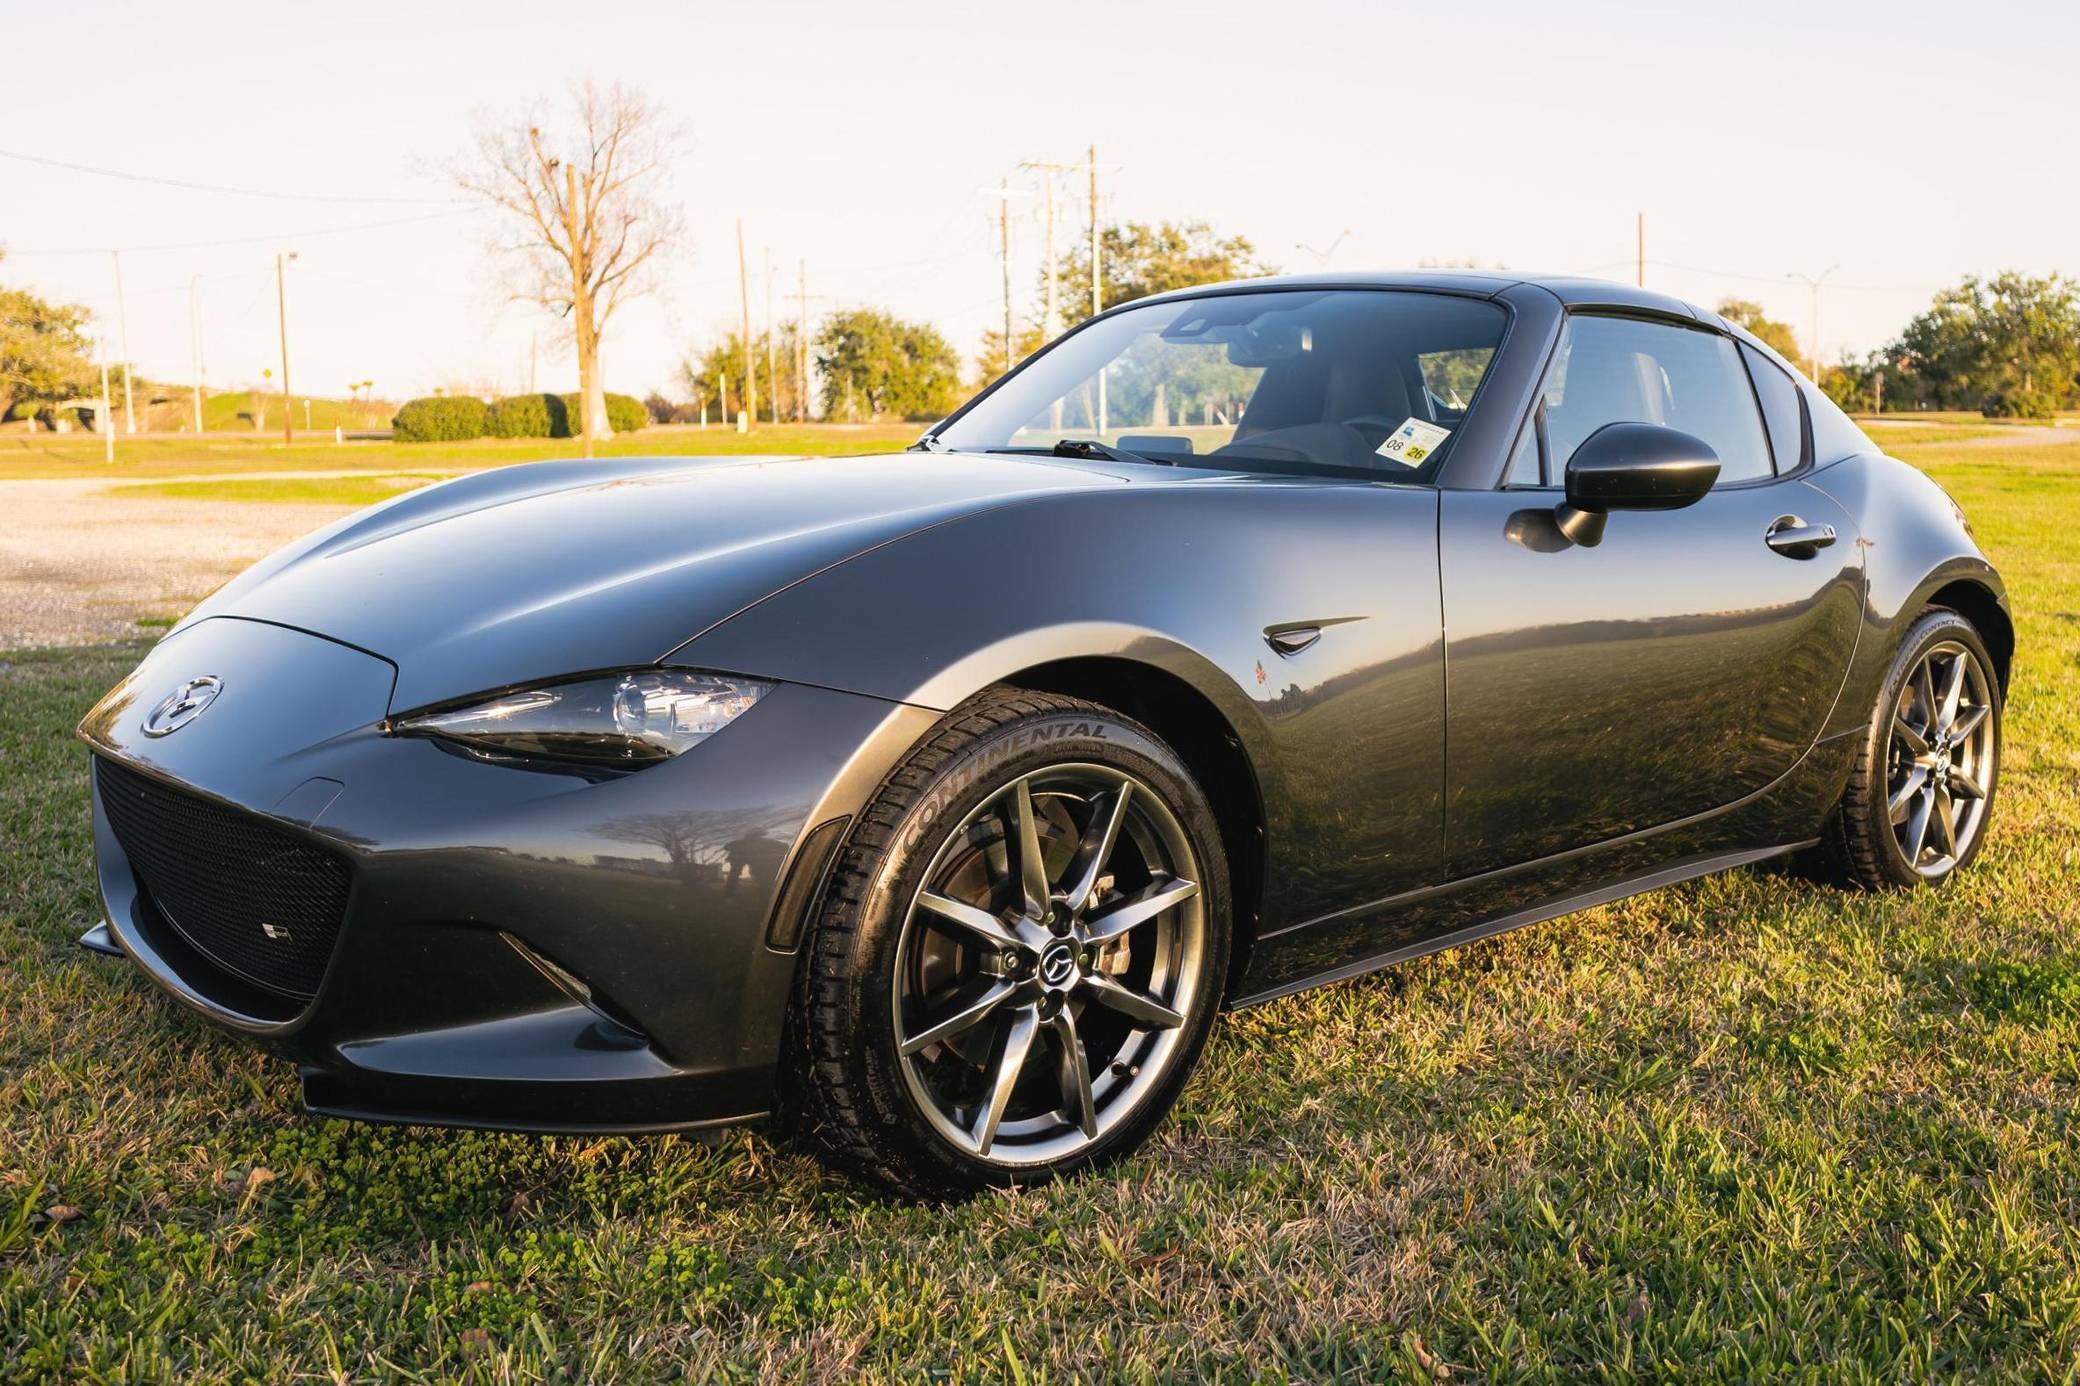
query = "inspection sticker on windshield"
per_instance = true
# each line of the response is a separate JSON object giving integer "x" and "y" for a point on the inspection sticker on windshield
{"x": 1415, "y": 440}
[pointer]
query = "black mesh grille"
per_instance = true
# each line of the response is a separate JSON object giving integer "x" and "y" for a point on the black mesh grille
{"x": 258, "y": 902}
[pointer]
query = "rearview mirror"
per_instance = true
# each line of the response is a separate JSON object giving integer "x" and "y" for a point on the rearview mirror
{"x": 1633, "y": 466}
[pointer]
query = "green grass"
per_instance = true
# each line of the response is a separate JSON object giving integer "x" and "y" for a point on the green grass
{"x": 233, "y": 411}
{"x": 48, "y": 456}
{"x": 1747, "y": 1128}
{"x": 1891, "y": 435}
{"x": 289, "y": 490}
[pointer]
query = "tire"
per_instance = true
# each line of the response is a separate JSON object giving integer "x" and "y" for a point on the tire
{"x": 1868, "y": 837}
{"x": 883, "y": 973}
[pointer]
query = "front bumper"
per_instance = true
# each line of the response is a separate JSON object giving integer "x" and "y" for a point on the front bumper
{"x": 518, "y": 949}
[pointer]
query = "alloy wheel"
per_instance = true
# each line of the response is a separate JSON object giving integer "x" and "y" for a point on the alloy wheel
{"x": 1942, "y": 759}
{"x": 1048, "y": 963}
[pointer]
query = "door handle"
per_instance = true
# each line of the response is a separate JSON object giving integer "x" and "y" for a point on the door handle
{"x": 1794, "y": 538}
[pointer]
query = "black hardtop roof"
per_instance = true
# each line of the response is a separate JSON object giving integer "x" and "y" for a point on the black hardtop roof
{"x": 1573, "y": 290}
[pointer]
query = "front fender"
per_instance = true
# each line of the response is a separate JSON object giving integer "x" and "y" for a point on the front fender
{"x": 1345, "y": 736}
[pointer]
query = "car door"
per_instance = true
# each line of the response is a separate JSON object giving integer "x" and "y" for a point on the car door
{"x": 1680, "y": 664}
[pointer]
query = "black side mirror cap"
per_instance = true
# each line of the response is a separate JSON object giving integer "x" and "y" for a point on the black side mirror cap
{"x": 1633, "y": 466}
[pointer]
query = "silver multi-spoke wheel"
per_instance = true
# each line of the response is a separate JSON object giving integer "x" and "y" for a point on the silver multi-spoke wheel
{"x": 1048, "y": 963}
{"x": 1941, "y": 759}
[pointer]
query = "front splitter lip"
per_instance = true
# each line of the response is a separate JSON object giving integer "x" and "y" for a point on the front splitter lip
{"x": 328, "y": 1094}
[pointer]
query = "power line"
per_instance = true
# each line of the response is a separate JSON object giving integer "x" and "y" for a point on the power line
{"x": 233, "y": 192}
{"x": 245, "y": 240}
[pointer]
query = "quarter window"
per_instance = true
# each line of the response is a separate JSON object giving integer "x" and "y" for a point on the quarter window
{"x": 1781, "y": 411}
{"x": 1625, "y": 370}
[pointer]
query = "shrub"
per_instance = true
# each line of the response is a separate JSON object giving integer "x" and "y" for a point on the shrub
{"x": 529, "y": 416}
{"x": 439, "y": 419}
{"x": 625, "y": 413}
{"x": 2026, "y": 402}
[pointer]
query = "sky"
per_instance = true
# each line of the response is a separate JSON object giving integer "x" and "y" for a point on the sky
{"x": 1895, "y": 147}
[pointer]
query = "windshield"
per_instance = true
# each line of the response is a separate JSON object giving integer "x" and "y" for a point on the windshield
{"x": 1342, "y": 382}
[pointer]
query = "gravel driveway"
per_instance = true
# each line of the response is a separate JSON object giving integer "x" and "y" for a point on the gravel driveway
{"x": 79, "y": 568}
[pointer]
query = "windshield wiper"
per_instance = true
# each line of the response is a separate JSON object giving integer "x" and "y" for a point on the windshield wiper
{"x": 929, "y": 443}
{"x": 1090, "y": 447}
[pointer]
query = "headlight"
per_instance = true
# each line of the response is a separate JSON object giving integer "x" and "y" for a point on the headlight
{"x": 632, "y": 719}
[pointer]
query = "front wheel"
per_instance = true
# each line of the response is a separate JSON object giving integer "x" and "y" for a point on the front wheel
{"x": 1919, "y": 798}
{"x": 1020, "y": 953}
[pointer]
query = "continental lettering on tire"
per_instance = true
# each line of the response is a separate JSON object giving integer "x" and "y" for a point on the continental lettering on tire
{"x": 938, "y": 799}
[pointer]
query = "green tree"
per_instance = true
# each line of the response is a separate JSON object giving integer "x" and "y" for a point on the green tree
{"x": 990, "y": 362}
{"x": 2008, "y": 346}
{"x": 1778, "y": 336}
{"x": 700, "y": 375}
{"x": 1868, "y": 384}
{"x": 873, "y": 364}
{"x": 44, "y": 353}
{"x": 1140, "y": 260}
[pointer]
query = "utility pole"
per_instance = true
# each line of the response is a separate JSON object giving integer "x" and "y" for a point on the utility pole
{"x": 533, "y": 340}
{"x": 801, "y": 341}
{"x": 744, "y": 302}
{"x": 772, "y": 375}
{"x": 1002, "y": 192}
{"x": 108, "y": 422}
{"x": 1090, "y": 161}
{"x": 123, "y": 321}
{"x": 1097, "y": 273}
{"x": 195, "y": 342}
{"x": 1052, "y": 323}
{"x": 1639, "y": 235}
{"x": 1004, "y": 253}
{"x": 281, "y": 310}
{"x": 1813, "y": 283}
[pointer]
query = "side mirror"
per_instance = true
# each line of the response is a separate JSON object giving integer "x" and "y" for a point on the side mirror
{"x": 1633, "y": 466}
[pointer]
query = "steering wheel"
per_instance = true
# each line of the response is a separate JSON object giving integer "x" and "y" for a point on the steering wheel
{"x": 1374, "y": 428}
{"x": 1324, "y": 444}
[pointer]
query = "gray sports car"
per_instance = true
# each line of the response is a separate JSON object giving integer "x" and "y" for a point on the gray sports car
{"x": 1242, "y": 640}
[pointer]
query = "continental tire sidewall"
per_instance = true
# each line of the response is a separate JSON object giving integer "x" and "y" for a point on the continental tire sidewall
{"x": 993, "y": 743}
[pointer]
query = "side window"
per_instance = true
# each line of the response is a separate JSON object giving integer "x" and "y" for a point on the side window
{"x": 1450, "y": 378}
{"x": 1781, "y": 411}
{"x": 1523, "y": 460}
{"x": 1627, "y": 370}
{"x": 1835, "y": 434}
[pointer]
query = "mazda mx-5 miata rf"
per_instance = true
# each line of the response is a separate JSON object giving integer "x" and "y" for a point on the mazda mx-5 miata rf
{"x": 1244, "y": 639}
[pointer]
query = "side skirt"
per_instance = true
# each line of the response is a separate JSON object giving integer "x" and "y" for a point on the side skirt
{"x": 1619, "y": 889}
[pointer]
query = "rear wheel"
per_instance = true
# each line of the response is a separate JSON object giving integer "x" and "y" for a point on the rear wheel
{"x": 1020, "y": 954}
{"x": 1918, "y": 801}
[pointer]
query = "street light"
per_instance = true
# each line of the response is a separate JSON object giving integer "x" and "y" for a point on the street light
{"x": 1321, "y": 257}
{"x": 1813, "y": 282}
{"x": 195, "y": 343}
{"x": 281, "y": 308}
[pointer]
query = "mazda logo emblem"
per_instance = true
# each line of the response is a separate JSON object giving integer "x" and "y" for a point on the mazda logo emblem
{"x": 1057, "y": 965}
{"x": 183, "y": 705}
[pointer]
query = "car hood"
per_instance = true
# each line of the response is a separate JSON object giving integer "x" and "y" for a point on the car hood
{"x": 529, "y": 572}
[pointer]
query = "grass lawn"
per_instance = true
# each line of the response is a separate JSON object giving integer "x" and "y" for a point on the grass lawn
{"x": 46, "y": 456}
{"x": 1739, "y": 1129}
{"x": 286, "y": 490}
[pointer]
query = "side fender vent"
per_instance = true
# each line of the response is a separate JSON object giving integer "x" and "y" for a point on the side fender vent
{"x": 804, "y": 884}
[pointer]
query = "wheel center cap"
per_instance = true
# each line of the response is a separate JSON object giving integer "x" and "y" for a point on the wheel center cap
{"x": 1058, "y": 964}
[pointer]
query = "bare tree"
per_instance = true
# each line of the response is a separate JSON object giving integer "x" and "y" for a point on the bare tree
{"x": 583, "y": 230}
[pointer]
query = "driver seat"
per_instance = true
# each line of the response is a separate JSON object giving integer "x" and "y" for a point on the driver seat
{"x": 1325, "y": 387}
